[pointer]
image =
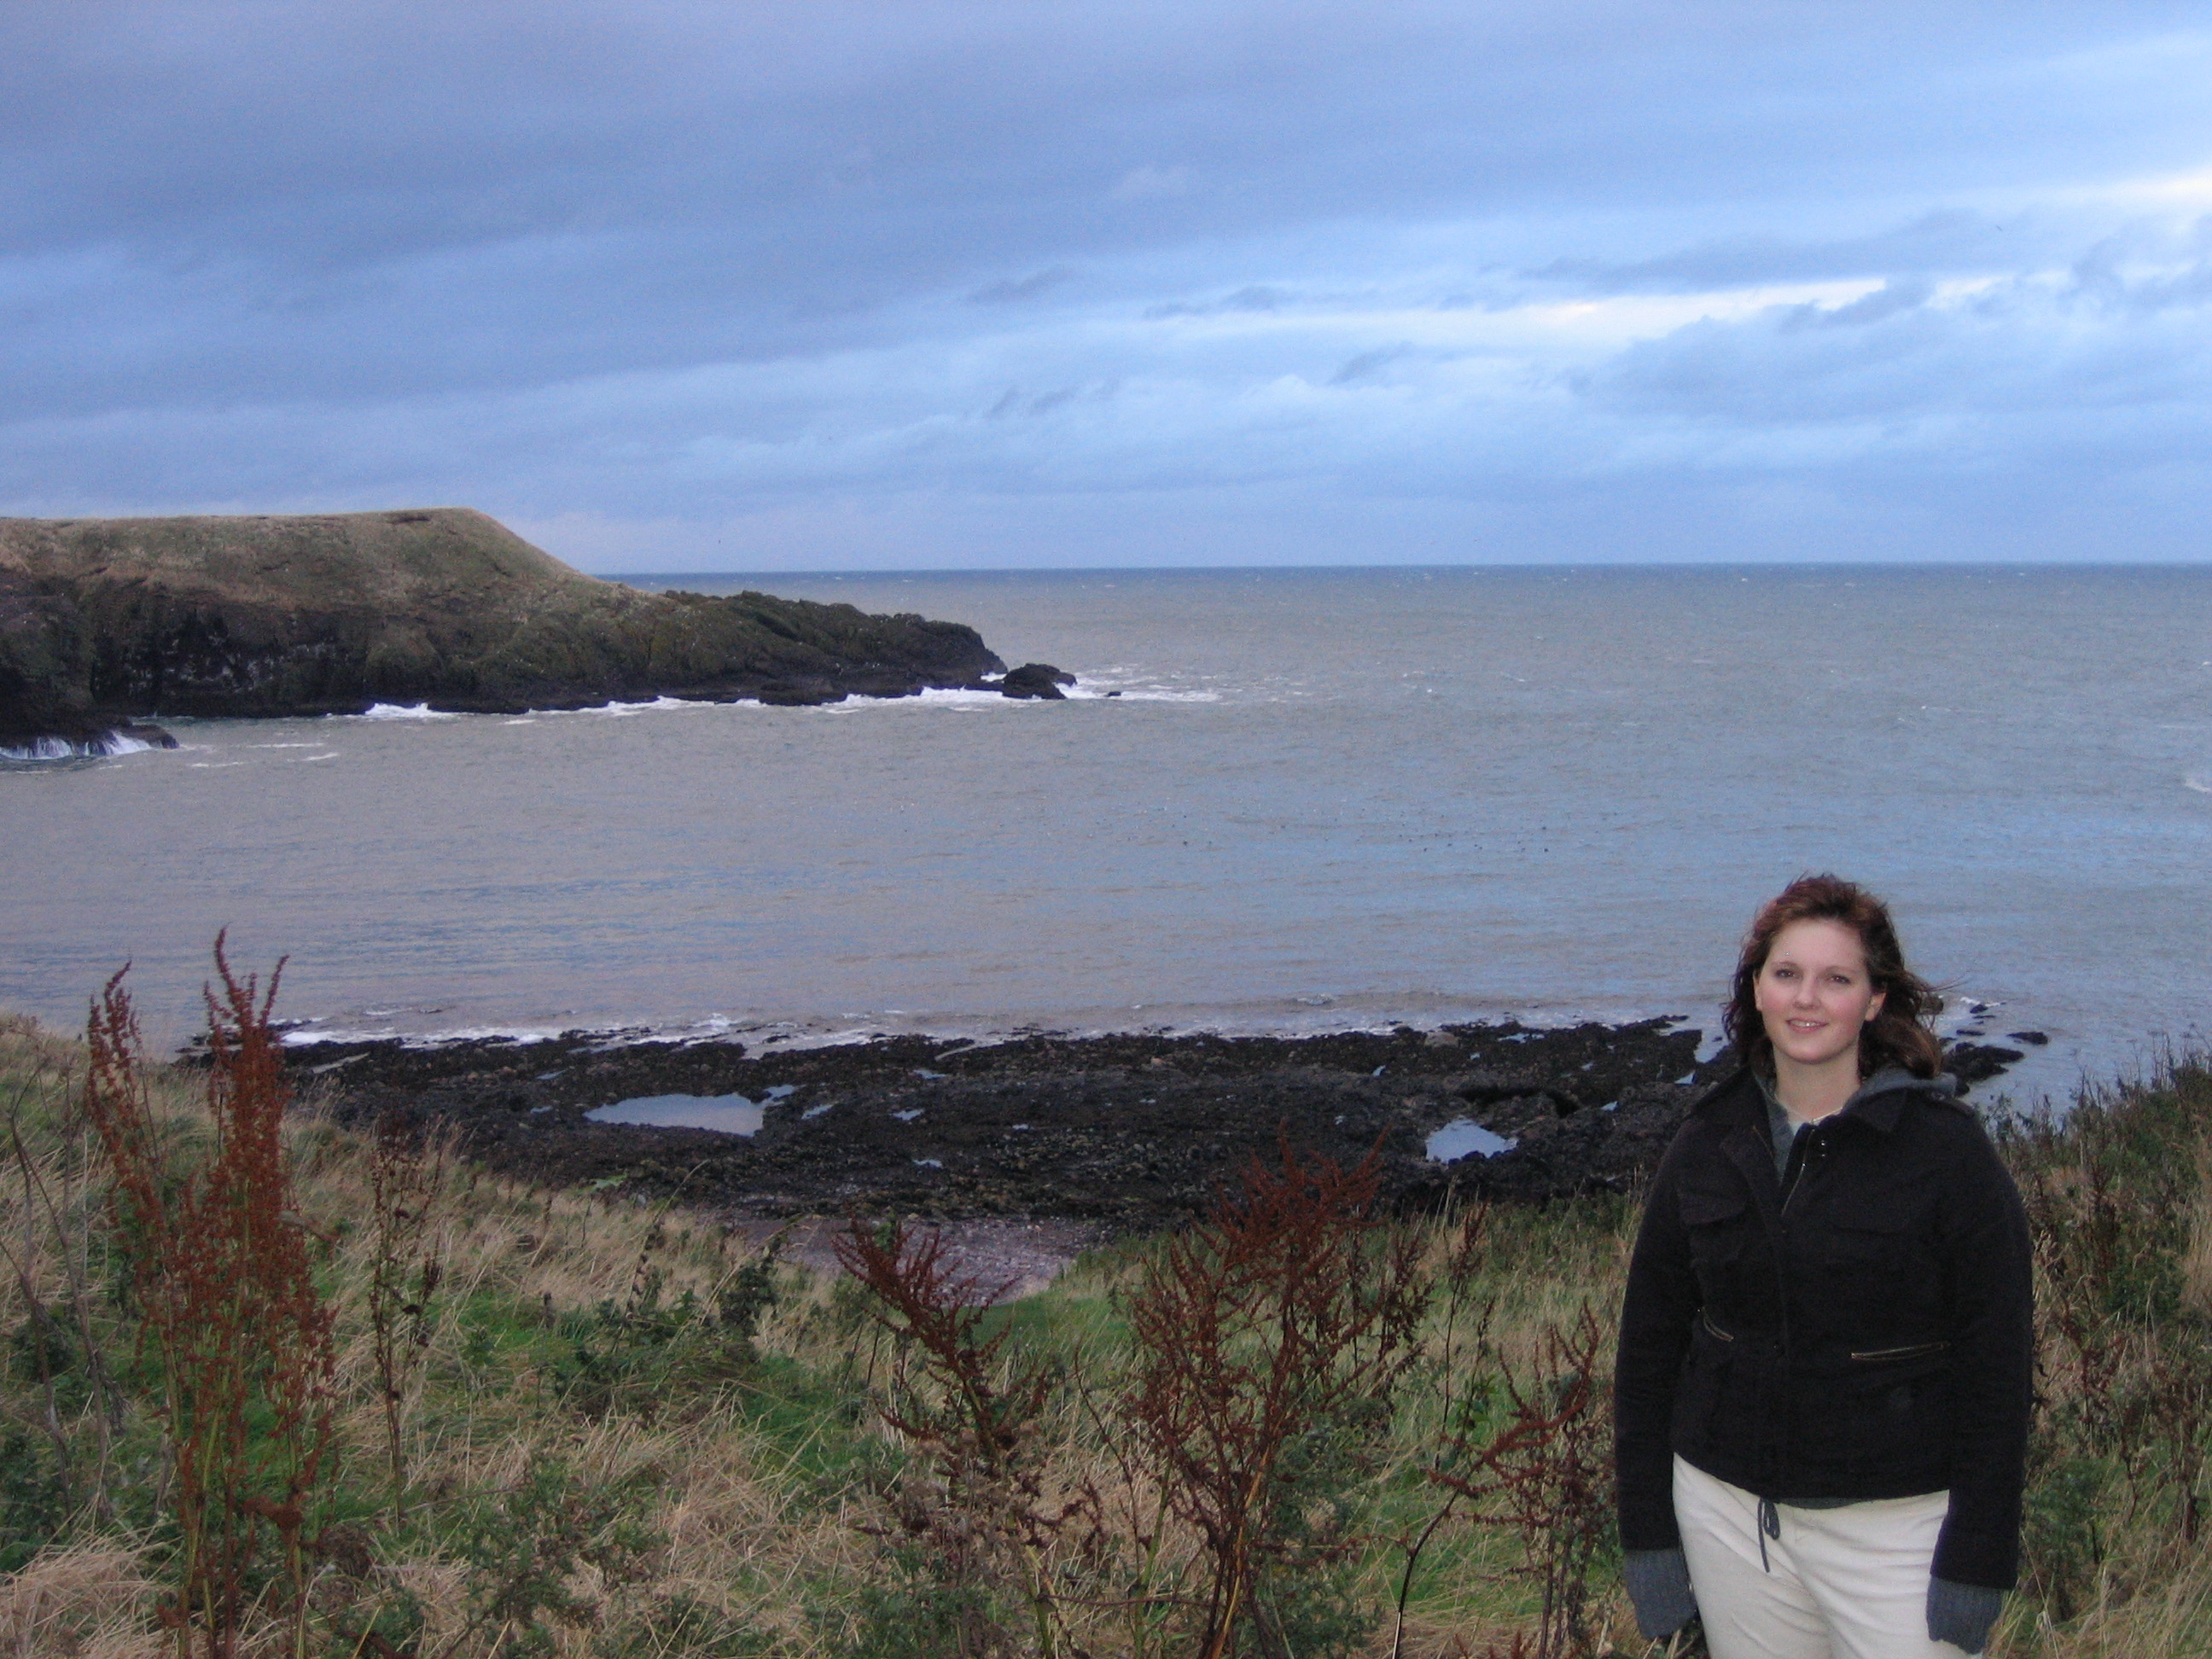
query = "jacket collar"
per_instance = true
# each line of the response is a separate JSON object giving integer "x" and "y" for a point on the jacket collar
{"x": 1738, "y": 1101}
{"x": 1880, "y": 1100}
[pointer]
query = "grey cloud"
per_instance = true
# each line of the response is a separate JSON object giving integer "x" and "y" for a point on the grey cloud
{"x": 563, "y": 257}
{"x": 951, "y": 137}
{"x": 1946, "y": 240}
{"x": 1017, "y": 402}
{"x": 1013, "y": 290}
{"x": 2189, "y": 289}
{"x": 1887, "y": 300}
{"x": 1366, "y": 364}
{"x": 1258, "y": 296}
{"x": 1892, "y": 356}
{"x": 2112, "y": 273}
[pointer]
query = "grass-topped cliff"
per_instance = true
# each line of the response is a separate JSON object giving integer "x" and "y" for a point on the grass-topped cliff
{"x": 104, "y": 621}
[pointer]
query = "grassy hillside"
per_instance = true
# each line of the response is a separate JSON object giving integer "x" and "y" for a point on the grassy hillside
{"x": 104, "y": 620}
{"x": 420, "y": 559}
{"x": 566, "y": 1422}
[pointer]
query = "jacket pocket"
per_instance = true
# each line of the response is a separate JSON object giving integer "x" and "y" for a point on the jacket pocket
{"x": 1858, "y": 1255}
{"x": 1884, "y": 1415}
{"x": 1726, "y": 1247}
{"x": 1870, "y": 1218}
{"x": 1710, "y": 1206}
{"x": 1707, "y": 1373}
{"x": 1719, "y": 1225}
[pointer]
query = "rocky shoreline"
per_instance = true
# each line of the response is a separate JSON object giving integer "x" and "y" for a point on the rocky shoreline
{"x": 1120, "y": 1133}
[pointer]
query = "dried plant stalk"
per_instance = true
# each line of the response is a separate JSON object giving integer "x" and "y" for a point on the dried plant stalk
{"x": 1547, "y": 1475}
{"x": 406, "y": 1180}
{"x": 1286, "y": 1317}
{"x": 976, "y": 1414}
{"x": 229, "y": 1305}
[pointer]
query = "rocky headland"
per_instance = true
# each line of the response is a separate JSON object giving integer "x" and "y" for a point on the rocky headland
{"x": 106, "y": 624}
{"x": 1123, "y": 1132}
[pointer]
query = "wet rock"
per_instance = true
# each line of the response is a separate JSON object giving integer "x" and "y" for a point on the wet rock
{"x": 1124, "y": 1132}
{"x": 65, "y": 736}
{"x": 799, "y": 693}
{"x": 1977, "y": 1062}
{"x": 1036, "y": 679}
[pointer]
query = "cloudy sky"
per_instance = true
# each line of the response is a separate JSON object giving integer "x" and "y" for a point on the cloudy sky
{"x": 791, "y": 284}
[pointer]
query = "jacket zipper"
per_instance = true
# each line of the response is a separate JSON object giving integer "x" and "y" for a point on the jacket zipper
{"x": 1912, "y": 1350}
{"x": 1769, "y": 1520}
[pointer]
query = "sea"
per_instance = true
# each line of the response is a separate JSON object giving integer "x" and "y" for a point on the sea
{"x": 1276, "y": 800}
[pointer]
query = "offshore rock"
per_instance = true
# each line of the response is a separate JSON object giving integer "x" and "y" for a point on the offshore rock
{"x": 83, "y": 739}
{"x": 1036, "y": 679}
{"x": 1977, "y": 1062}
{"x": 106, "y": 621}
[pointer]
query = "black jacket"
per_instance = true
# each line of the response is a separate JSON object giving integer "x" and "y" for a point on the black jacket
{"x": 1871, "y": 1337}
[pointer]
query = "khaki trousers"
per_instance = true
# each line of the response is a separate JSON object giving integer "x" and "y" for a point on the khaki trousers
{"x": 1843, "y": 1584}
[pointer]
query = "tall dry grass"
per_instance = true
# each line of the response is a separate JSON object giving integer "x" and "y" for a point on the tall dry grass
{"x": 2118, "y": 1191}
{"x": 590, "y": 1460}
{"x": 92, "y": 1600}
{"x": 766, "y": 1481}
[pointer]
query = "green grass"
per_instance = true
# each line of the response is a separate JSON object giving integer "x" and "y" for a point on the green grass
{"x": 641, "y": 1466}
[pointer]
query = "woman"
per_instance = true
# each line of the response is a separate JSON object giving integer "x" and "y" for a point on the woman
{"x": 1822, "y": 1396}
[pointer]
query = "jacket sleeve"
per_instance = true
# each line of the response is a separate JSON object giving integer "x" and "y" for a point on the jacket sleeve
{"x": 1989, "y": 1287}
{"x": 1662, "y": 1300}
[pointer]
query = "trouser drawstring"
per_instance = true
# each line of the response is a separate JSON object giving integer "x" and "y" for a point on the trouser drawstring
{"x": 1769, "y": 1525}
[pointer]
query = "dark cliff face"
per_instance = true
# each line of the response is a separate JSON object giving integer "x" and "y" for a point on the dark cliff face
{"x": 103, "y": 621}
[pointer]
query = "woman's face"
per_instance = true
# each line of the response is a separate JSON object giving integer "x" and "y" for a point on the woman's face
{"x": 1814, "y": 993}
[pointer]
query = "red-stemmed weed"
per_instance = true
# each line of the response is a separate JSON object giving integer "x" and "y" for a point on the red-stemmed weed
{"x": 228, "y": 1307}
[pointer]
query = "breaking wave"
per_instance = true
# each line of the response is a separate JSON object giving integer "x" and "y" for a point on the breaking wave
{"x": 398, "y": 711}
{"x": 616, "y": 709}
{"x": 53, "y": 749}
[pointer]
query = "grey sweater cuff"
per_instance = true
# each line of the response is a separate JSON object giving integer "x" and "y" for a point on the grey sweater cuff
{"x": 1659, "y": 1584}
{"x": 1961, "y": 1614}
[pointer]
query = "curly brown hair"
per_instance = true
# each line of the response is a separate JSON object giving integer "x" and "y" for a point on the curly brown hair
{"x": 1898, "y": 1035}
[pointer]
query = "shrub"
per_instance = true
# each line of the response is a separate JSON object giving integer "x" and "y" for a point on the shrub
{"x": 1547, "y": 1475}
{"x": 2114, "y": 1193}
{"x": 975, "y": 1533}
{"x": 1269, "y": 1341}
{"x": 526, "y": 1547}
